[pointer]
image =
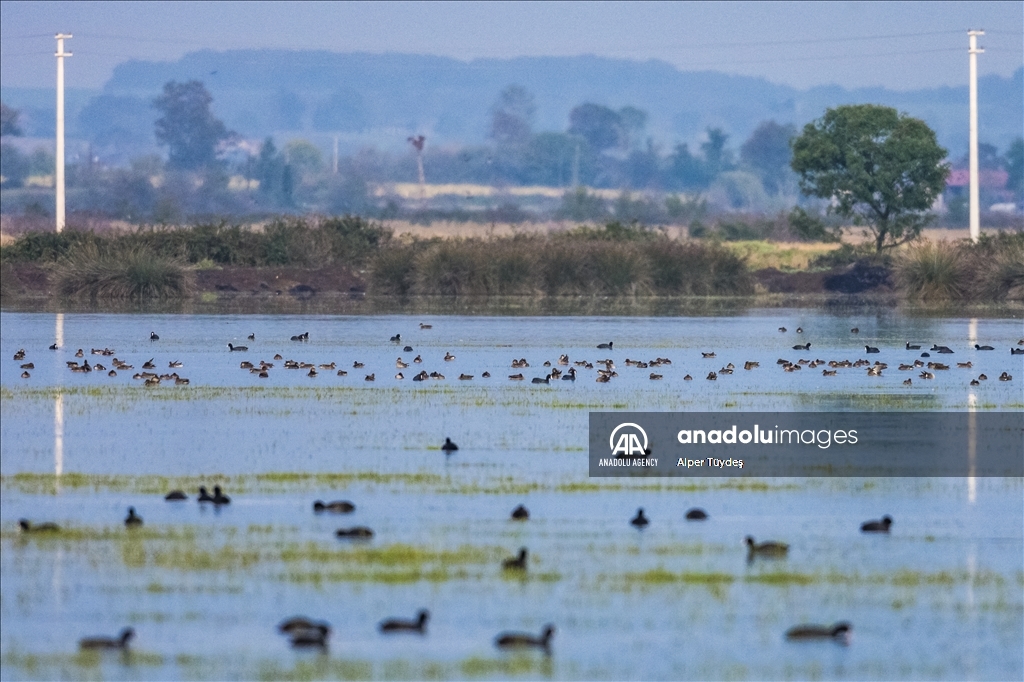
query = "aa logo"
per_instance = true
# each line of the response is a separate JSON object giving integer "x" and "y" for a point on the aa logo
{"x": 628, "y": 439}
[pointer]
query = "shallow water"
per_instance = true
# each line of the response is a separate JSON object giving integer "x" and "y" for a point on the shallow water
{"x": 940, "y": 598}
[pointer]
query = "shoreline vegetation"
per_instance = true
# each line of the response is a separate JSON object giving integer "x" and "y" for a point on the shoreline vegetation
{"x": 309, "y": 257}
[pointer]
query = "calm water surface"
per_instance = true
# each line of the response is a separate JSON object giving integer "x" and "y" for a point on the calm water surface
{"x": 939, "y": 598}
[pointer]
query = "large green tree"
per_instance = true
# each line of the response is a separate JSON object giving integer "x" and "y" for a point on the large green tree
{"x": 880, "y": 168}
{"x": 187, "y": 126}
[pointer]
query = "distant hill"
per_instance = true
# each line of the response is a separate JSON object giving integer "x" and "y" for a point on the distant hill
{"x": 378, "y": 99}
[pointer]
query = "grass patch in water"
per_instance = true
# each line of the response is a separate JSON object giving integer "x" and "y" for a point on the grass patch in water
{"x": 277, "y": 482}
{"x": 102, "y": 533}
{"x": 591, "y": 486}
{"x": 519, "y": 664}
{"x": 73, "y": 665}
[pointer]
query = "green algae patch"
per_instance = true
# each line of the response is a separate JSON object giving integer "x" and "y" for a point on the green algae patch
{"x": 117, "y": 533}
{"x": 781, "y": 578}
{"x": 322, "y": 667}
{"x": 740, "y": 484}
{"x": 661, "y": 576}
{"x": 84, "y": 663}
{"x": 518, "y": 664}
{"x": 900, "y": 578}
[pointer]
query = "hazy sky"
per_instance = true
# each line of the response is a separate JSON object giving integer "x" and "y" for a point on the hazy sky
{"x": 899, "y": 45}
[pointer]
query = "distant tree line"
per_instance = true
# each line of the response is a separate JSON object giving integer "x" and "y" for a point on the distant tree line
{"x": 209, "y": 169}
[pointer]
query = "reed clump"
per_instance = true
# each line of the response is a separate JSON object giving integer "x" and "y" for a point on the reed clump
{"x": 128, "y": 274}
{"x": 612, "y": 261}
{"x": 990, "y": 270}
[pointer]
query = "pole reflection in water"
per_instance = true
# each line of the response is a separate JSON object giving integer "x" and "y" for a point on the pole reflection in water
{"x": 58, "y": 411}
{"x": 972, "y": 448}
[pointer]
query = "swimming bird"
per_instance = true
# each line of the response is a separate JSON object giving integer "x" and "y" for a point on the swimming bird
{"x": 516, "y": 563}
{"x": 1017, "y": 351}
{"x": 545, "y": 380}
{"x": 311, "y": 637}
{"x": 515, "y": 377}
{"x": 871, "y": 349}
{"x": 407, "y": 349}
{"x": 148, "y": 364}
{"x": 54, "y": 346}
{"x": 908, "y": 382}
{"x": 175, "y": 495}
{"x": 251, "y": 337}
{"x": 448, "y": 357}
{"x": 465, "y": 377}
{"x": 357, "y": 532}
{"x": 975, "y": 382}
{"x": 799, "y": 330}
{"x": 336, "y": 507}
{"x": 20, "y": 354}
{"x": 78, "y": 354}
{"x": 712, "y": 376}
{"x": 219, "y": 497}
{"x": 519, "y": 640}
{"x": 174, "y": 364}
{"x": 119, "y": 642}
{"x": 606, "y": 346}
{"x": 400, "y": 376}
{"x": 132, "y": 519}
{"x": 839, "y": 631}
{"x": 203, "y": 495}
{"x": 153, "y": 336}
{"x": 297, "y": 623}
{"x": 912, "y": 347}
{"x": 26, "y": 375}
{"x": 1005, "y": 377}
{"x": 767, "y": 549}
{"x": 397, "y": 338}
{"x": 941, "y": 349}
{"x": 881, "y": 526}
{"x": 487, "y": 375}
{"x": 806, "y": 346}
{"x": 977, "y": 347}
{"x": 520, "y": 513}
{"x": 982, "y": 377}
{"x": 400, "y": 364}
{"x": 640, "y": 521}
{"x": 782, "y": 329}
{"x": 708, "y": 355}
{"x": 655, "y": 377}
{"x": 855, "y": 330}
{"x": 449, "y": 446}
{"x": 426, "y": 326}
{"x": 696, "y": 514}
{"x": 241, "y": 348}
{"x": 399, "y": 625}
{"x": 370, "y": 377}
{"x": 47, "y": 527}
{"x": 570, "y": 375}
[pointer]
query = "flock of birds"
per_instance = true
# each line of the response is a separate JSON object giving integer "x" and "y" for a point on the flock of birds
{"x": 305, "y": 632}
{"x": 605, "y": 368}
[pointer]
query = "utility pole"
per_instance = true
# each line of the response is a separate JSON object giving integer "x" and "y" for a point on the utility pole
{"x": 335, "y": 154}
{"x": 974, "y": 51}
{"x": 58, "y": 175}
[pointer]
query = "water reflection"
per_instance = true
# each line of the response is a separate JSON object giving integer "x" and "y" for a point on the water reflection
{"x": 58, "y": 411}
